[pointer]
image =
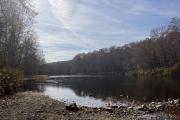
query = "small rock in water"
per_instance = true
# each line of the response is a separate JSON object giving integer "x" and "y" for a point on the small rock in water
{"x": 91, "y": 94}
{"x": 144, "y": 99}
{"x": 128, "y": 97}
{"x": 121, "y": 95}
{"x": 72, "y": 107}
{"x": 1, "y": 91}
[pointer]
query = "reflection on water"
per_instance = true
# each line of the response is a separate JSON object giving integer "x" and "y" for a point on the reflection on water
{"x": 68, "y": 96}
{"x": 98, "y": 91}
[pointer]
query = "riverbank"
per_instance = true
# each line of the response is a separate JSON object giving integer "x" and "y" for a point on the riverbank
{"x": 173, "y": 71}
{"x": 37, "y": 77}
{"x": 30, "y": 105}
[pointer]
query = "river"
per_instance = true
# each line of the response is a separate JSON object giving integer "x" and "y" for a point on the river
{"x": 100, "y": 91}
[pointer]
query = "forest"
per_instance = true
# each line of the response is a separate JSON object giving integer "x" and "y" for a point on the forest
{"x": 19, "y": 47}
{"x": 160, "y": 50}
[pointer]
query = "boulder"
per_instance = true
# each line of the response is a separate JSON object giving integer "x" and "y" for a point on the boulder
{"x": 72, "y": 107}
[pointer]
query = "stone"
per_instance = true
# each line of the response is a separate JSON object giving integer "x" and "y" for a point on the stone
{"x": 160, "y": 107}
{"x": 170, "y": 101}
{"x": 72, "y": 107}
{"x": 144, "y": 99}
{"x": 114, "y": 106}
{"x": 91, "y": 94}
{"x": 158, "y": 100}
{"x": 121, "y": 95}
{"x": 128, "y": 97}
{"x": 177, "y": 102}
{"x": 109, "y": 110}
{"x": 142, "y": 108}
{"x": 152, "y": 104}
{"x": 156, "y": 106}
{"x": 130, "y": 108}
{"x": 1, "y": 91}
{"x": 152, "y": 107}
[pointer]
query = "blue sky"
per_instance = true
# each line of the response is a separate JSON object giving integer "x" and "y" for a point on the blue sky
{"x": 68, "y": 27}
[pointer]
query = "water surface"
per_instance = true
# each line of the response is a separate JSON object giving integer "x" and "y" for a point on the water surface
{"x": 99, "y": 91}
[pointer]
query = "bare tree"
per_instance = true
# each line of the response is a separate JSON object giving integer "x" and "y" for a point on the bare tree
{"x": 17, "y": 37}
{"x": 158, "y": 32}
{"x": 174, "y": 25}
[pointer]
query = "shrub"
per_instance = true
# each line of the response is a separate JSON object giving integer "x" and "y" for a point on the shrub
{"x": 10, "y": 80}
{"x": 176, "y": 70}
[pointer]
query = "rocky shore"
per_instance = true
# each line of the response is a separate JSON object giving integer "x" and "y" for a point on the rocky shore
{"x": 35, "y": 106}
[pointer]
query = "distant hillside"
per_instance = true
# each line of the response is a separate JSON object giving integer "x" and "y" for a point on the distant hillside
{"x": 162, "y": 49}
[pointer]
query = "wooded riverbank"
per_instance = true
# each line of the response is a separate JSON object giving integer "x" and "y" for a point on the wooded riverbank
{"x": 164, "y": 71}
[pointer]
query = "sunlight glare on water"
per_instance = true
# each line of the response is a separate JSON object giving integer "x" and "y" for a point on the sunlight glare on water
{"x": 68, "y": 96}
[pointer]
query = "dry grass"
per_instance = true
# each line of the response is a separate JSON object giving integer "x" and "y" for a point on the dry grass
{"x": 39, "y": 77}
{"x": 10, "y": 80}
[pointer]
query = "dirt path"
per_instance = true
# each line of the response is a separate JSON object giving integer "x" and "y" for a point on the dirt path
{"x": 34, "y": 106}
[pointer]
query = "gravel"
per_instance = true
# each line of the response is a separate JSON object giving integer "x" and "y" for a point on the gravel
{"x": 35, "y": 106}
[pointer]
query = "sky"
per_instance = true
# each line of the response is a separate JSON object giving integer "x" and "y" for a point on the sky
{"x": 68, "y": 27}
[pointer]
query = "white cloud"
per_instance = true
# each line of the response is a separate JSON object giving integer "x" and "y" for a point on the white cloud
{"x": 68, "y": 27}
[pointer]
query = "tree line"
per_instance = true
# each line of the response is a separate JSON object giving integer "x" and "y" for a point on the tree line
{"x": 19, "y": 47}
{"x": 161, "y": 49}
